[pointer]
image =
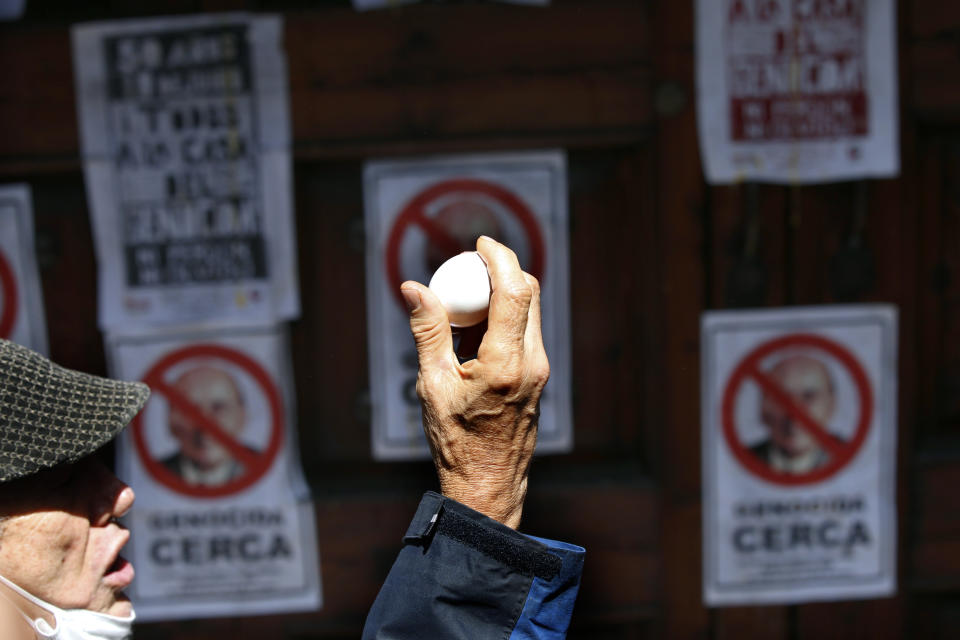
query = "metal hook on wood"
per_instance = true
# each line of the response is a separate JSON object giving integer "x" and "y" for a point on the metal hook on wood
{"x": 747, "y": 279}
{"x": 852, "y": 269}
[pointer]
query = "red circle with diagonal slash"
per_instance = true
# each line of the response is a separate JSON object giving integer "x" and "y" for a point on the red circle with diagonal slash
{"x": 414, "y": 214}
{"x": 255, "y": 464}
{"x": 9, "y": 296}
{"x": 840, "y": 453}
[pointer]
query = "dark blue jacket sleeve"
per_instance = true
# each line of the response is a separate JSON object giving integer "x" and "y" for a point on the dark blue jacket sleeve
{"x": 462, "y": 575}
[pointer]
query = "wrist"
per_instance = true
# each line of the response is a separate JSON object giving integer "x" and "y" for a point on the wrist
{"x": 505, "y": 505}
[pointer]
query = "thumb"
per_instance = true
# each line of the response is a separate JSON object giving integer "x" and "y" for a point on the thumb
{"x": 428, "y": 324}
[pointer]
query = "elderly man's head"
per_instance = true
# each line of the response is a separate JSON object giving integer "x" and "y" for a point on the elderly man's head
{"x": 807, "y": 381}
{"x": 215, "y": 393}
{"x": 60, "y": 540}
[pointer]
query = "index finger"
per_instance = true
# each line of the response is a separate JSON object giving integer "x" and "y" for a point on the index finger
{"x": 509, "y": 302}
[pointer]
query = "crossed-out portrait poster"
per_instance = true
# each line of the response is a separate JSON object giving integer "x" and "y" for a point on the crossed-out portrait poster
{"x": 22, "y": 317}
{"x": 418, "y": 213}
{"x": 799, "y": 454}
{"x": 796, "y": 91}
{"x": 223, "y": 524}
{"x": 185, "y": 140}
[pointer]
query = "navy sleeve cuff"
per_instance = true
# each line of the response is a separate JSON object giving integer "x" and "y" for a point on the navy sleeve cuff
{"x": 464, "y": 576}
{"x": 438, "y": 515}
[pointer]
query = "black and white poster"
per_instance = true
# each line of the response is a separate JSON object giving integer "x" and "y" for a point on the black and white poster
{"x": 186, "y": 151}
{"x": 799, "y": 454}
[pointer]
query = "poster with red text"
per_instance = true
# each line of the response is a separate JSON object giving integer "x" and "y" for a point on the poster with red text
{"x": 223, "y": 524}
{"x": 22, "y": 317}
{"x": 797, "y": 91}
{"x": 799, "y": 454}
{"x": 421, "y": 211}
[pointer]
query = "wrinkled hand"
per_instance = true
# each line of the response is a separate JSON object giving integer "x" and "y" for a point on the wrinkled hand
{"x": 481, "y": 416}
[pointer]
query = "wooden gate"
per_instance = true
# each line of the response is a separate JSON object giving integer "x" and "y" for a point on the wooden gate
{"x": 610, "y": 81}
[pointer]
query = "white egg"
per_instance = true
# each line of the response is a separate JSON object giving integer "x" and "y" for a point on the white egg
{"x": 463, "y": 286}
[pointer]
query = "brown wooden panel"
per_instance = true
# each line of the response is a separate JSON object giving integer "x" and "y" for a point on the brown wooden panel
{"x": 387, "y": 76}
{"x": 935, "y": 565}
{"x": 865, "y": 619}
{"x": 66, "y": 11}
{"x": 938, "y": 290}
{"x": 515, "y": 106}
{"x": 928, "y": 59}
{"x": 415, "y": 73}
{"x": 947, "y": 288}
{"x": 930, "y": 18}
{"x": 933, "y": 561}
{"x": 935, "y": 502}
{"x": 684, "y": 615}
{"x": 818, "y": 219}
{"x": 637, "y": 173}
{"x": 929, "y": 205}
{"x": 680, "y": 241}
{"x": 635, "y": 574}
{"x": 425, "y": 45}
{"x": 747, "y": 266}
{"x": 329, "y": 340}
{"x": 754, "y": 622}
{"x": 680, "y": 214}
{"x": 608, "y": 237}
{"x": 68, "y": 270}
{"x": 934, "y": 617}
{"x": 37, "y": 105}
{"x": 849, "y": 242}
{"x": 934, "y": 93}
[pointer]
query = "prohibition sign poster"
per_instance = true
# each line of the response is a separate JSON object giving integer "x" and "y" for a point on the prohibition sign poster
{"x": 799, "y": 454}
{"x": 186, "y": 145}
{"x": 418, "y": 213}
{"x": 22, "y": 318}
{"x": 796, "y": 91}
{"x": 224, "y": 524}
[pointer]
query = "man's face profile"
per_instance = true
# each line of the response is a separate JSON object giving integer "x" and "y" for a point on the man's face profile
{"x": 808, "y": 382}
{"x": 215, "y": 393}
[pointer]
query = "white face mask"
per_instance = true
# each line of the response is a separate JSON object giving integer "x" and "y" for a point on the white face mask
{"x": 74, "y": 624}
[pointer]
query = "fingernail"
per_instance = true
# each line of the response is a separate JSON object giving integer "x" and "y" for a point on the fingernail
{"x": 412, "y": 298}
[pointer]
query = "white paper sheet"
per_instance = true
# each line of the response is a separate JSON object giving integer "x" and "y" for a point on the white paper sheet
{"x": 220, "y": 528}
{"x": 794, "y": 91}
{"x": 799, "y": 454}
{"x": 519, "y": 199}
{"x": 185, "y": 140}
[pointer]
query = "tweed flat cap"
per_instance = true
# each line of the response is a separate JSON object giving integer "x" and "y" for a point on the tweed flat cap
{"x": 50, "y": 414}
